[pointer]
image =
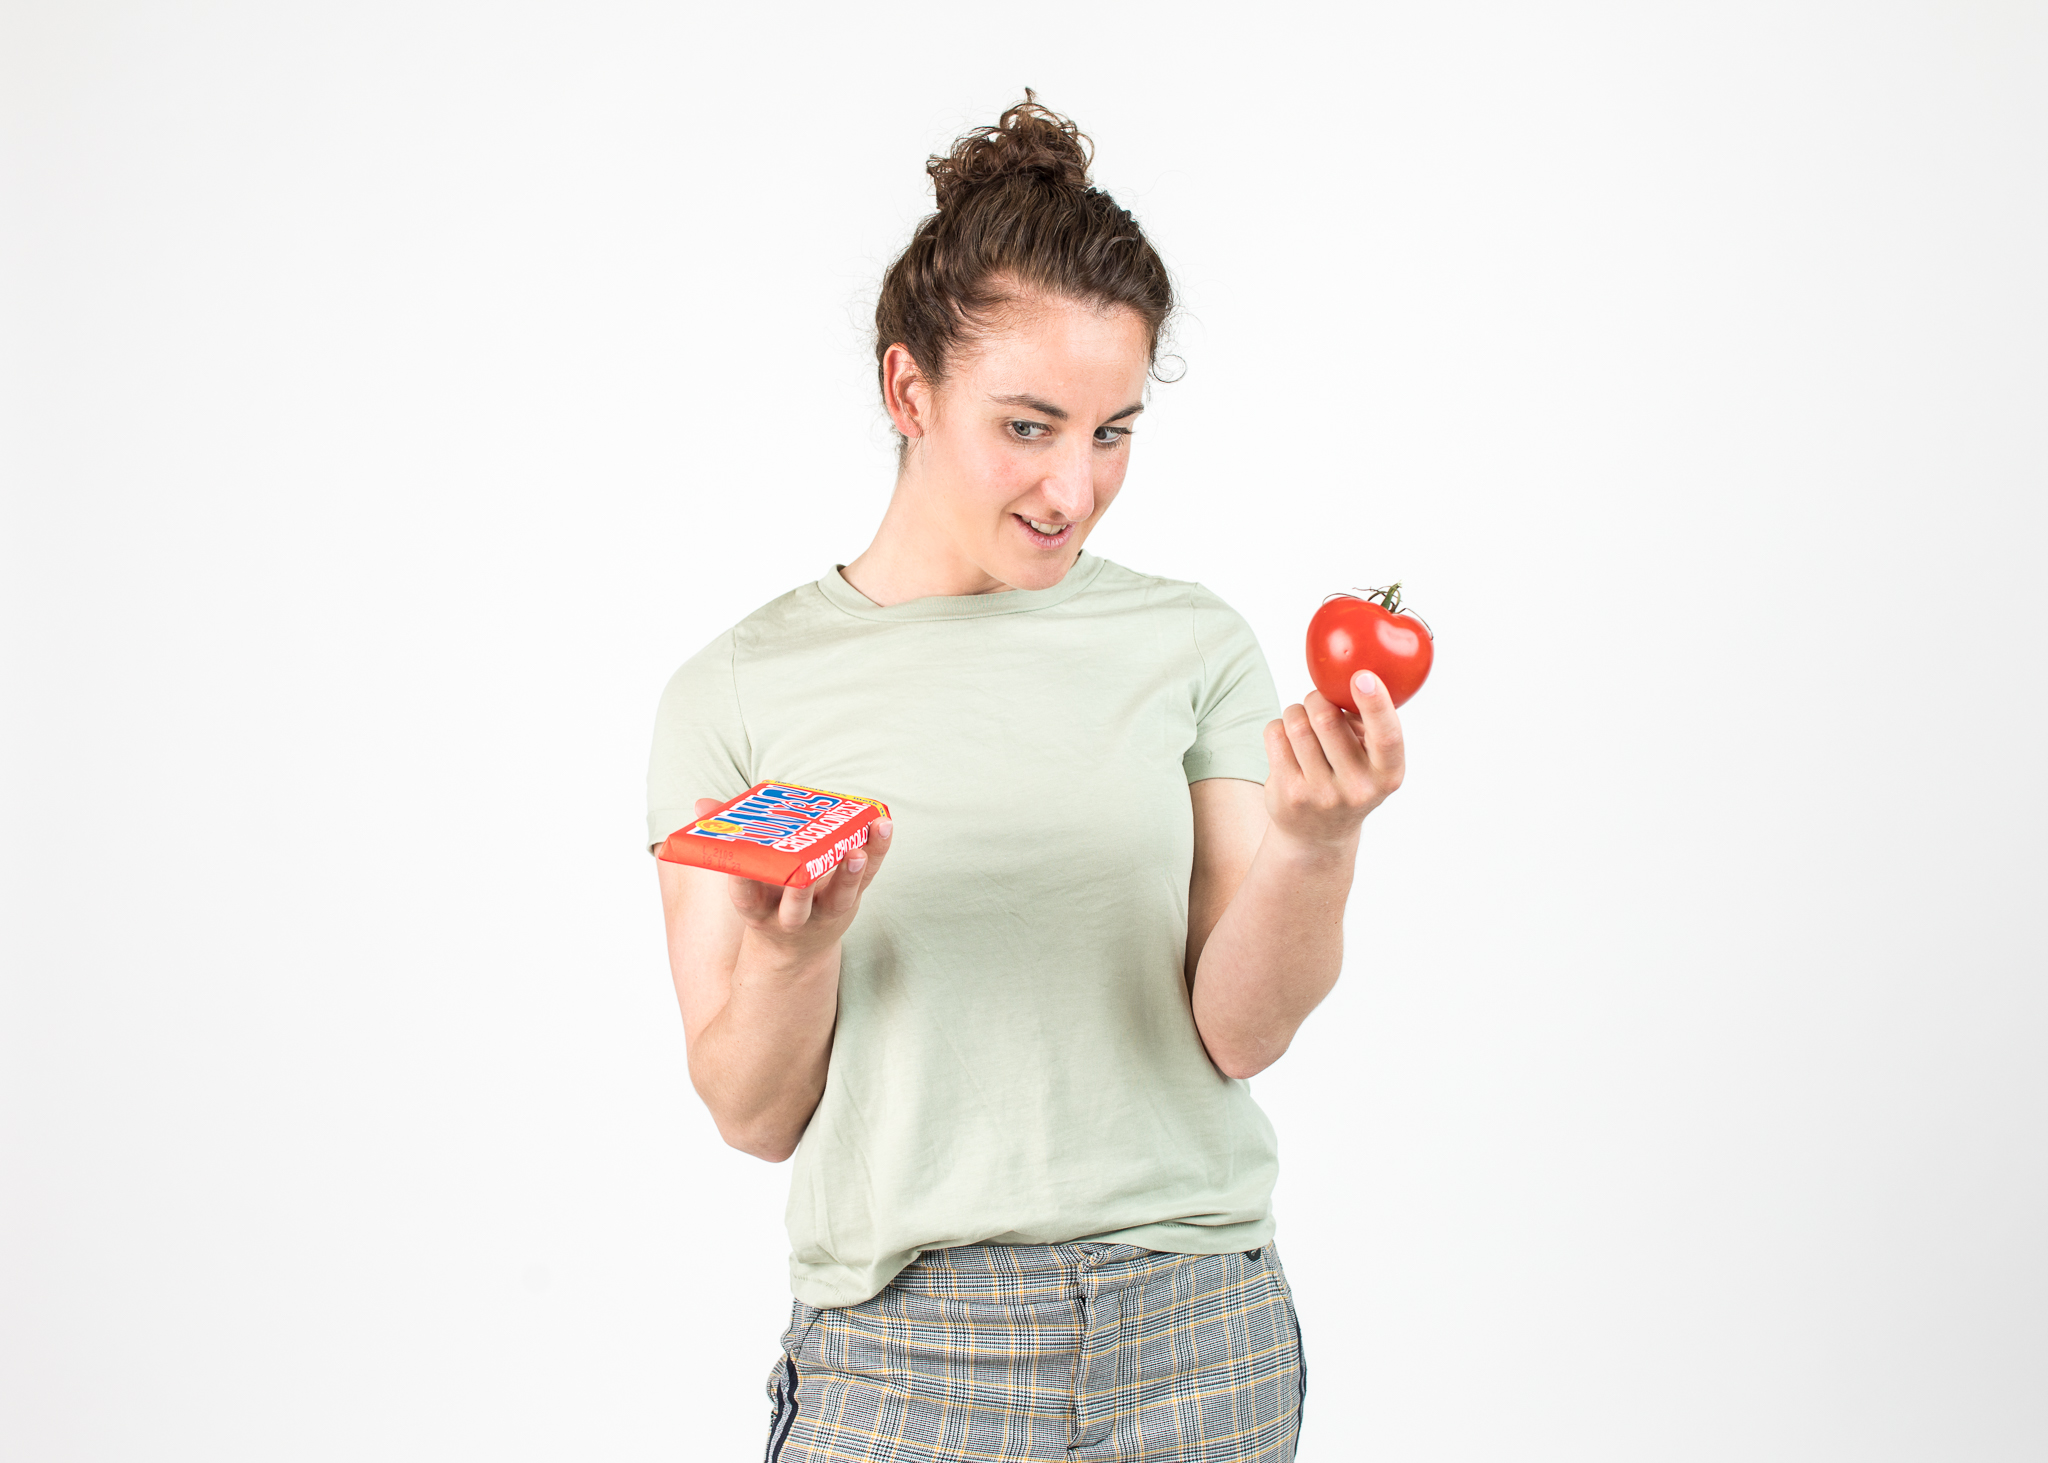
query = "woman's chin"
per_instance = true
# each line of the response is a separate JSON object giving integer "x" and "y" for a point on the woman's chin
{"x": 1029, "y": 560}
{"x": 1039, "y": 571}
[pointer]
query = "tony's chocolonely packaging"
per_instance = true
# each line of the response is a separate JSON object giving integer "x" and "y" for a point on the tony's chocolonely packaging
{"x": 778, "y": 833}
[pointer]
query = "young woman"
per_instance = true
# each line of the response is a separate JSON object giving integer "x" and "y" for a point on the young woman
{"x": 1029, "y": 1214}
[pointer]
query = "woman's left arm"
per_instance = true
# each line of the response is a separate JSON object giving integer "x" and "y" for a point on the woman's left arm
{"x": 1272, "y": 870}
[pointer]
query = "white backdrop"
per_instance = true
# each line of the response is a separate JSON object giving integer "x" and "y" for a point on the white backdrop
{"x": 396, "y": 393}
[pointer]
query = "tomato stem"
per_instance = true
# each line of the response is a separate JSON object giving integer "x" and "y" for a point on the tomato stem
{"x": 1390, "y": 597}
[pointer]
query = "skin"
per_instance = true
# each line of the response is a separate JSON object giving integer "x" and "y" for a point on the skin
{"x": 1032, "y": 423}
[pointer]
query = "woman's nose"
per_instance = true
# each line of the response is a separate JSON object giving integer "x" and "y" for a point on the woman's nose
{"x": 1070, "y": 490}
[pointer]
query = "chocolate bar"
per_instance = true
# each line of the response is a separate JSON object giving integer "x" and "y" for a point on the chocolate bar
{"x": 778, "y": 833}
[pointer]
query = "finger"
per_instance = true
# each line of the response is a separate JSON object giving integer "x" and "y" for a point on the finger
{"x": 881, "y": 838}
{"x": 753, "y": 899}
{"x": 1379, "y": 728}
{"x": 824, "y": 890}
{"x": 707, "y": 806}
{"x": 858, "y": 870}
{"x": 846, "y": 882}
{"x": 1337, "y": 734}
{"x": 1308, "y": 747}
{"x": 1281, "y": 762}
{"x": 795, "y": 910}
{"x": 837, "y": 890}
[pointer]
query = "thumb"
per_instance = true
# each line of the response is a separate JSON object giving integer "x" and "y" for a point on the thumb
{"x": 707, "y": 806}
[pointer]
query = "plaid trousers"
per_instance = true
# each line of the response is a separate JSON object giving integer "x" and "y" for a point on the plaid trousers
{"x": 1077, "y": 1351}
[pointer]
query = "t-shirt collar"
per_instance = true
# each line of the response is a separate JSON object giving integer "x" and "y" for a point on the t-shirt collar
{"x": 961, "y": 606}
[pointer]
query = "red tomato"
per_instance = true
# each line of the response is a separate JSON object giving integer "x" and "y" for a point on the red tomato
{"x": 1350, "y": 634}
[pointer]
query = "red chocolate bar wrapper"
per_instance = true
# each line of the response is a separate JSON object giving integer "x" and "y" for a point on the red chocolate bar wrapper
{"x": 778, "y": 833}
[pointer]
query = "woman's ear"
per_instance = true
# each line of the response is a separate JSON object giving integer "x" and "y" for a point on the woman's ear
{"x": 905, "y": 392}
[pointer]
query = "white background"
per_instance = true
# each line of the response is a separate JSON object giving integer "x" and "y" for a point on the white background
{"x": 396, "y": 393}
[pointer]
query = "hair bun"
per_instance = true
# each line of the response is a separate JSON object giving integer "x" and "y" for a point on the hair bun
{"x": 1029, "y": 139}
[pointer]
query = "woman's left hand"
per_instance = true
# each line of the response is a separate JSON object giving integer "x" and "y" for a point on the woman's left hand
{"x": 1329, "y": 767}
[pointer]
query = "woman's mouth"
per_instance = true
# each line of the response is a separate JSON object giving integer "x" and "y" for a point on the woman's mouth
{"x": 1044, "y": 535}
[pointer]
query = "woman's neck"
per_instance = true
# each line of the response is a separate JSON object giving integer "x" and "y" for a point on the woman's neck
{"x": 914, "y": 556}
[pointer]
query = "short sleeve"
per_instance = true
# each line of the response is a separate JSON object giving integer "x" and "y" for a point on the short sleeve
{"x": 1235, "y": 698}
{"x": 700, "y": 741}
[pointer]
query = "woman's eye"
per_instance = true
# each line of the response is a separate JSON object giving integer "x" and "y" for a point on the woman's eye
{"x": 1029, "y": 431}
{"x": 1110, "y": 436}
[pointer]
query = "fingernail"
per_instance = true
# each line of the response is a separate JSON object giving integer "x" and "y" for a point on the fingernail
{"x": 857, "y": 862}
{"x": 1365, "y": 683}
{"x": 884, "y": 827}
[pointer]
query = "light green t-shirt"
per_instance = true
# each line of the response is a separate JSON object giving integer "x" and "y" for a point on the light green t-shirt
{"x": 1015, "y": 1058}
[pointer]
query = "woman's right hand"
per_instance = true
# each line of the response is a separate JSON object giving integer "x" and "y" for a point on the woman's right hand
{"x": 799, "y": 923}
{"x": 757, "y": 978}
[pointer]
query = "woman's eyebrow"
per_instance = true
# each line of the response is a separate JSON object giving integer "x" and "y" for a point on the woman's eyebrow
{"x": 1032, "y": 403}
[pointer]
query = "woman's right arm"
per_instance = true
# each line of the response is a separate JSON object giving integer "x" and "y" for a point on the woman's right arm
{"x": 756, "y": 970}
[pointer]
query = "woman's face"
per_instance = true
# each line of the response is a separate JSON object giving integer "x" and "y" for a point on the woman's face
{"x": 1023, "y": 447}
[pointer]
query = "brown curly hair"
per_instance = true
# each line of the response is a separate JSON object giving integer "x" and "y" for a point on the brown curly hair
{"x": 1017, "y": 216}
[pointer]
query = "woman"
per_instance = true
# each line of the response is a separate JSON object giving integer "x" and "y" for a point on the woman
{"x": 1030, "y": 1213}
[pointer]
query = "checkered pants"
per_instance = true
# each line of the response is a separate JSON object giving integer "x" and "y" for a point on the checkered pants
{"x": 1071, "y": 1351}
